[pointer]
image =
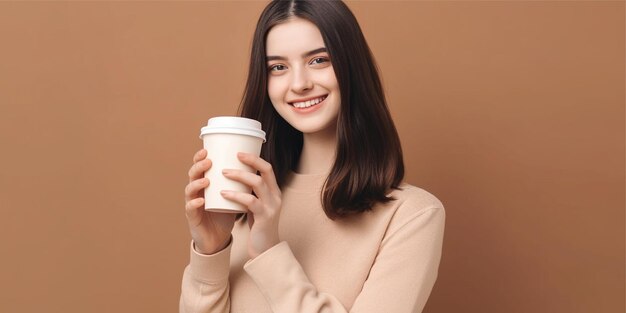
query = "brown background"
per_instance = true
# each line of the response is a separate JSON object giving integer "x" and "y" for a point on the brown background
{"x": 512, "y": 113}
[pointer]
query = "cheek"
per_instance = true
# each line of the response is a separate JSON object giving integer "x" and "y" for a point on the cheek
{"x": 275, "y": 90}
{"x": 330, "y": 81}
{"x": 276, "y": 95}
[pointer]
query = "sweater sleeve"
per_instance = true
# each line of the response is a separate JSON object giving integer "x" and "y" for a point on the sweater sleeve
{"x": 400, "y": 280}
{"x": 205, "y": 287}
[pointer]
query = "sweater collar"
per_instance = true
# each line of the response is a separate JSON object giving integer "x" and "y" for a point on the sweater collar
{"x": 305, "y": 182}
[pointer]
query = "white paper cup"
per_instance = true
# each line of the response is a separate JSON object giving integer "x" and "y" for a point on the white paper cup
{"x": 223, "y": 138}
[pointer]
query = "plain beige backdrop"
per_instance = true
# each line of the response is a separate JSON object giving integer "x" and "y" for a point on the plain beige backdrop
{"x": 510, "y": 112}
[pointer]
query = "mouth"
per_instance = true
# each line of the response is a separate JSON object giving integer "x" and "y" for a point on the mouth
{"x": 309, "y": 103}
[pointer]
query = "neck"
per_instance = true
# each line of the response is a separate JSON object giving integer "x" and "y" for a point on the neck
{"x": 318, "y": 152}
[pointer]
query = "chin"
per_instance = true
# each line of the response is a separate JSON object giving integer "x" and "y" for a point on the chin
{"x": 312, "y": 128}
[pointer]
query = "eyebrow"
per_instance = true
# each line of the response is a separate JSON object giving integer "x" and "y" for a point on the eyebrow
{"x": 312, "y": 52}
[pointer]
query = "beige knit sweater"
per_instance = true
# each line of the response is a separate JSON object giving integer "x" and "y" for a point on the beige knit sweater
{"x": 382, "y": 261}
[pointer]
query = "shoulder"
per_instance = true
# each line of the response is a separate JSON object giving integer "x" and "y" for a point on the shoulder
{"x": 414, "y": 203}
{"x": 411, "y": 200}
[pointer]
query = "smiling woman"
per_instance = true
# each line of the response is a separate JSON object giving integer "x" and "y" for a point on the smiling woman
{"x": 331, "y": 225}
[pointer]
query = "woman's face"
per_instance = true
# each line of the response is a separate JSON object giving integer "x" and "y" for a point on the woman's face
{"x": 300, "y": 74}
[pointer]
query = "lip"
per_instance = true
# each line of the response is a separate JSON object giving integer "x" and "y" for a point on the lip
{"x": 310, "y": 109}
{"x": 306, "y": 99}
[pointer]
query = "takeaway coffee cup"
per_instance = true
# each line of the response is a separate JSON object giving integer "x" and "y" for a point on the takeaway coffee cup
{"x": 224, "y": 137}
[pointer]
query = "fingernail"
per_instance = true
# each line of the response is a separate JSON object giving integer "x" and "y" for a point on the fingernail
{"x": 225, "y": 193}
{"x": 225, "y": 172}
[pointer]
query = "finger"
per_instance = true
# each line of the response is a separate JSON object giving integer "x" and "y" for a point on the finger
{"x": 201, "y": 154}
{"x": 264, "y": 168}
{"x": 197, "y": 170}
{"x": 192, "y": 207}
{"x": 255, "y": 181}
{"x": 251, "y": 202}
{"x": 193, "y": 189}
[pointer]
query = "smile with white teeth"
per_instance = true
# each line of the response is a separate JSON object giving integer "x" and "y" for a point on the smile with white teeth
{"x": 309, "y": 103}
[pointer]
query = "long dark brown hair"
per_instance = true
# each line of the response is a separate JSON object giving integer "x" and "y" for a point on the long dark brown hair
{"x": 368, "y": 160}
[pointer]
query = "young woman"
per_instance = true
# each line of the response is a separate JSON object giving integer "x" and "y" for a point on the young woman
{"x": 331, "y": 227}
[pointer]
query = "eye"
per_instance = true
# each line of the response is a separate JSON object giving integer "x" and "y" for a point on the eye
{"x": 276, "y": 67}
{"x": 319, "y": 60}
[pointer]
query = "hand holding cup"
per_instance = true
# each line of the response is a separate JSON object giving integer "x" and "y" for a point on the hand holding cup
{"x": 224, "y": 139}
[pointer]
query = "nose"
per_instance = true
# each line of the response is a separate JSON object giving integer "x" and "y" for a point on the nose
{"x": 301, "y": 81}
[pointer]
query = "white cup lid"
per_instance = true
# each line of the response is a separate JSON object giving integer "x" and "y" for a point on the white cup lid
{"x": 233, "y": 125}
